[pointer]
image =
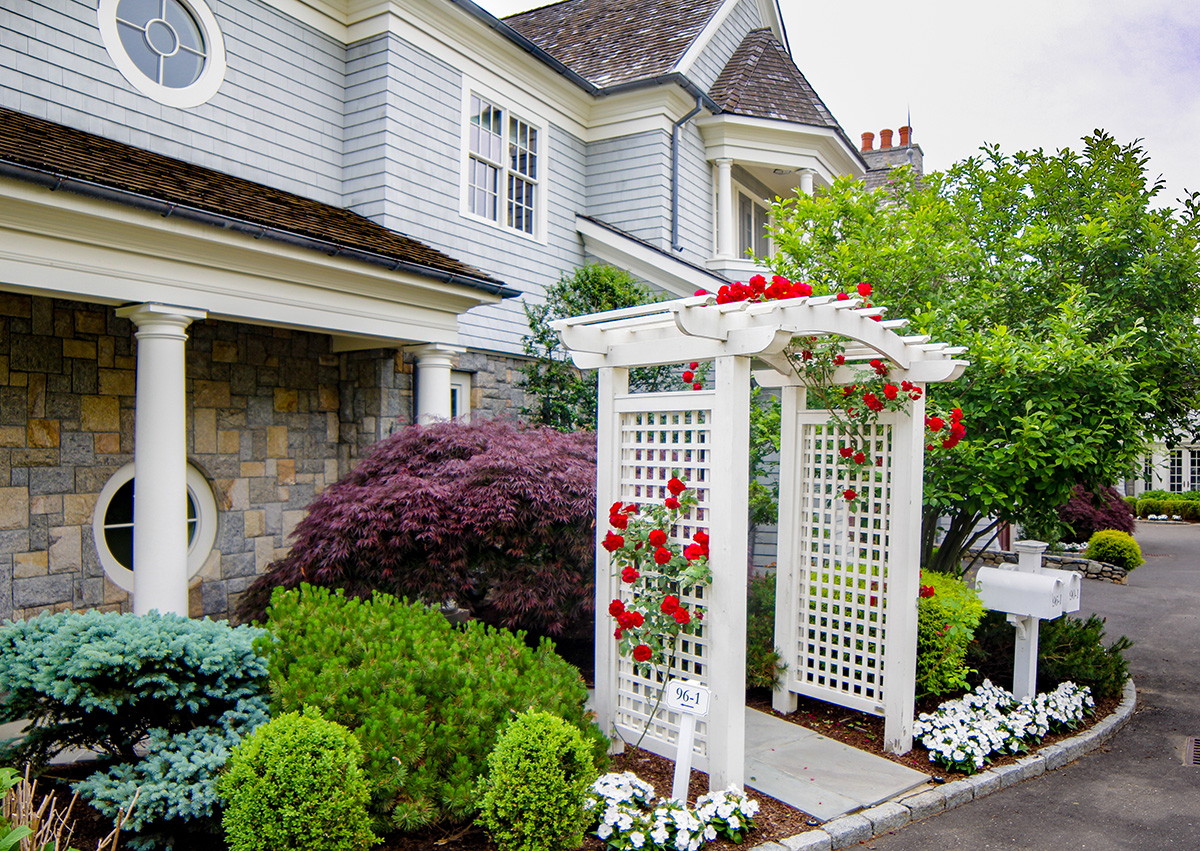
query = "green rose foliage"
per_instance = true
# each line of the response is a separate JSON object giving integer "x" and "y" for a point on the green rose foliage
{"x": 297, "y": 784}
{"x": 162, "y": 698}
{"x": 426, "y": 700}
{"x": 946, "y": 622}
{"x": 1115, "y": 547}
{"x": 537, "y": 778}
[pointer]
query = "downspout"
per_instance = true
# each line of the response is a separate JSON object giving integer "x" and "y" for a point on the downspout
{"x": 675, "y": 128}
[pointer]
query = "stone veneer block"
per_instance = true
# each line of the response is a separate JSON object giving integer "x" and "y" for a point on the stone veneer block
{"x": 41, "y": 433}
{"x": 12, "y": 304}
{"x": 887, "y": 816}
{"x": 85, "y": 349}
{"x": 12, "y": 436}
{"x": 327, "y": 398}
{"x": 204, "y": 430}
{"x": 264, "y": 552}
{"x": 224, "y": 351}
{"x": 43, "y": 590}
{"x": 277, "y": 441}
{"x": 211, "y": 394}
{"x": 813, "y": 840}
{"x": 847, "y": 830}
{"x": 26, "y": 565}
{"x": 14, "y": 508}
{"x": 253, "y": 469}
{"x": 285, "y": 471}
{"x": 113, "y": 594}
{"x": 105, "y": 347}
{"x": 100, "y": 413}
{"x": 47, "y": 504}
{"x": 79, "y": 508}
{"x": 958, "y": 793}
{"x": 107, "y": 443}
{"x": 228, "y": 441}
{"x": 90, "y": 321}
{"x": 255, "y": 523}
{"x": 287, "y": 400}
{"x": 118, "y": 382}
{"x": 66, "y": 549}
{"x": 925, "y": 804}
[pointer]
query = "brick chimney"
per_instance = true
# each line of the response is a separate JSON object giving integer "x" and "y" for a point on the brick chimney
{"x": 885, "y": 139}
{"x": 905, "y": 136}
{"x": 868, "y": 141}
{"x": 881, "y": 160}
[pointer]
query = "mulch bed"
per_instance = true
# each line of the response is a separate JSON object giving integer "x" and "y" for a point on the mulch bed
{"x": 774, "y": 821}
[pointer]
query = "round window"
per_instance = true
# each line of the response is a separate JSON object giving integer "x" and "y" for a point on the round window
{"x": 169, "y": 50}
{"x": 112, "y": 525}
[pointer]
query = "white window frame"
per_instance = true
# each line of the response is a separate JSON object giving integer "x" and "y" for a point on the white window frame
{"x": 200, "y": 91}
{"x": 460, "y": 396}
{"x": 503, "y": 164}
{"x": 200, "y": 546}
{"x": 740, "y": 193}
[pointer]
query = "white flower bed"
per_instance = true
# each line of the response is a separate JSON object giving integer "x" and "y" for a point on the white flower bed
{"x": 625, "y": 819}
{"x": 963, "y": 734}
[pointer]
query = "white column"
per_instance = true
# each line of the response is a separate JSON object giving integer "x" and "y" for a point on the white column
{"x": 806, "y": 182}
{"x": 612, "y": 382}
{"x": 725, "y": 217}
{"x": 160, "y": 458}
{"x": 434, "y": 362}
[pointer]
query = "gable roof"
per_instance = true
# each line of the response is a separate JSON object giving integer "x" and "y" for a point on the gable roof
{"x": 609, "y": 42}
{"x": 61, "y": 157}
{"x": 762, "y": 81}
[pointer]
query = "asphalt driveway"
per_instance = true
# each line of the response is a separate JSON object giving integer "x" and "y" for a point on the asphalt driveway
{"x": 1134, "y": 793}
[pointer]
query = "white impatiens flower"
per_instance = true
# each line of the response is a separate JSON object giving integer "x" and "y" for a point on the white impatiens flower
{"x": 636, "y": 839}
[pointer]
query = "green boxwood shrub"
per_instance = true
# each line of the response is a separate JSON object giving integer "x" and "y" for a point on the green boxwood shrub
{"x": 296, "y": 784}
{"x": 162, "y": 698}
{"x": 1161, "y": 494}
{"x": 1069, "y": 650}
{"x": 426, "y": 700}
{"x": 538, "y": 775}
{"x": 946, "y": 621}
{"x": 764, "y": 665}
{"x": 1117, "y": 548}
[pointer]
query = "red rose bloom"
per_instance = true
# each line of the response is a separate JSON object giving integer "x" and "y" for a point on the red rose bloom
{"x": 693, "y": 551}
{"x": 612, "y": 542}
{"x": 618, "y": 521}
{"x": 927, "y": 591}
{"x": 701, "y": 538}
{"x": 688, "y": 376}
{"x": 697, "y": 386}
{"x": 700, "y": 292}
{"x": 693, "y": 365}
{"x": 671, "y": 503}
{"x": 845, "y": 451}
{"x": 839, "y": 359}
{"x": 890, "y": 391}
{"x": 616, "y": 607}
{"x": 850, "y": 494}
{"x": 670, "y": 603}
{"x": 676, "y": 487}
{"x": 682, "y": 617}
{"x": 842, "y": 296}
{"x": 642, "y": 653}
{"x": 860, "y": 458}
{"x": 934, "y": 424}
{"x": 630, "y": 574}
{"x": 864, "y": 289}
{"x": 617, "y": 633}
{"x": 956, "y": 414}
{"x": 662, "y": 555}
{"x": 657, "y": 538}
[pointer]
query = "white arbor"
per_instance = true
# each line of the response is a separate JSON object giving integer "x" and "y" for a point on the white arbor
{"x": 847, "y": 580}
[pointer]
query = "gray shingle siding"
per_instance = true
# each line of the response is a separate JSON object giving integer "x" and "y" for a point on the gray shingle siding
{"x": 277, "y": 118}
{"x": 724, "y": 42}
{"x": 629, "y": 185}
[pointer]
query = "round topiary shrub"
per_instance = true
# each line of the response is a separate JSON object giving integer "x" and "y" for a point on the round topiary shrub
{"x": 296, "y": 784}
{"x": 1115, "y": 548}
{"x": 538, "y": 774}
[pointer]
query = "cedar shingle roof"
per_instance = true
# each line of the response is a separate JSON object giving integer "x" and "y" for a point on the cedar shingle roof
{"x": 616, "y": 41}
{"x": 44, "y": 145}
{"x": 761, "y": 80}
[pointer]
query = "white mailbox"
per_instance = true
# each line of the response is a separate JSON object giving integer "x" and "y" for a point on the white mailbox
{"x": 1024, "y": 594}
{"x": 1072, "y": 580}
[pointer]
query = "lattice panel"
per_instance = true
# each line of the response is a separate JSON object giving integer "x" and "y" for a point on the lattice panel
{"x": 842, "y": 569}
{"x": 661, "y": 433}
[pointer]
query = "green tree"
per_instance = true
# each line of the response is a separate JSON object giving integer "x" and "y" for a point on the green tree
{"x": 1073, "y": 291}
{"x": 563, "y": 396}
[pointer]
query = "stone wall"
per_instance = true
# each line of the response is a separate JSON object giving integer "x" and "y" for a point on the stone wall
{"x": 1089, "y": 568}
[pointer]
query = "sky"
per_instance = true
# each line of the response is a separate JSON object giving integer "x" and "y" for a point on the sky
{"x": 1022, "y": 74}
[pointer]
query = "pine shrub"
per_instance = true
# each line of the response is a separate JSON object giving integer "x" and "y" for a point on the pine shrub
{"x": 1086, "y": 513}
{"x": 296, "y": 784}
{"x": 162, "y": 698}
{"x": 1117, "y": 548}
{"x": 946, "y": 621}
{"x": 764, "y": 665}
{"x": 426, "y": 700}
{"x": 538, "y": 775}
{"x": 1069, "y": 650}
{"x": 495, "y": 518}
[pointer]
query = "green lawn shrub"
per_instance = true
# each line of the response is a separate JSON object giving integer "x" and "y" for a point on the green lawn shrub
{"x": 764, "y": 665}
{"x": 162, "y": 698}
{"x": 1193, "y": 496}
{"x": 1132, "y": 502}
{"x": 1115, "y": 548}
{"x": 946, "y": 621}
{"x": 426, "y": 700}
{"x": 538, "y": 776}
{"x": 1069, "y": 650}
{"x": 296, "y": 784}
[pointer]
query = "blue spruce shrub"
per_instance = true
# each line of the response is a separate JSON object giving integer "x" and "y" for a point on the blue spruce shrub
{"x": 162, "y": 698}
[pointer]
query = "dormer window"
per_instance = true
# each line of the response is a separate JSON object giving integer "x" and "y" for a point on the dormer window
{"x": 502, "y": 167}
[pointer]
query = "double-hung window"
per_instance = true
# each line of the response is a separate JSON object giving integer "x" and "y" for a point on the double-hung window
{"x": 502, "y": 167}
{"x": 752, "y": 227}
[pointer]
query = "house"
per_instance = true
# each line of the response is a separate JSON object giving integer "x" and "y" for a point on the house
{"x": 242, "y": 240}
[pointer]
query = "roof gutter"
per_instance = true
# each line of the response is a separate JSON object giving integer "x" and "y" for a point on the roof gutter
{"x": 54, "y": 181}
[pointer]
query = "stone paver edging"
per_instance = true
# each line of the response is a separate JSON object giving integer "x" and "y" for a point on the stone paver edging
{"x": 922, "y": 803}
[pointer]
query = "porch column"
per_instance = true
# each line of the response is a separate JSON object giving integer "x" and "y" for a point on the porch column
{"x": 806, "y": 182}
{"x": 434, "y": 362}
{"x": 725, "y": 216}
{"x": 160, "y": 458}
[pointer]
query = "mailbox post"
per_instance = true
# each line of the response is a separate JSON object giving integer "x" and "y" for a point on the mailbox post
{"x": 1029, "y": 594}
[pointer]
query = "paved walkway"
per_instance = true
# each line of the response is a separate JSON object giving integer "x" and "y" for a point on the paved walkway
{"x": 1134, "y": 793}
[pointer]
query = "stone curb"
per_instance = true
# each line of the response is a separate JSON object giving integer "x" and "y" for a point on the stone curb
{"x": 883, "y": 818}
